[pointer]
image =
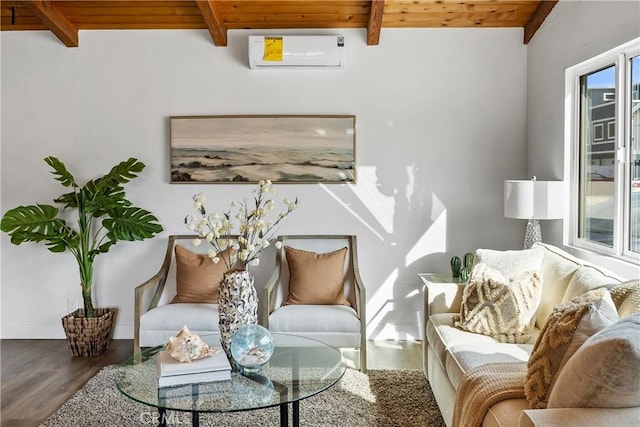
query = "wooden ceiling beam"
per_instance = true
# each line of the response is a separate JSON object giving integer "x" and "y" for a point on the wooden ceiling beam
{"x": 215, "y": 22}
{"x": 374, "y": 26}
{"x": 537, "y": 18}
{"x": 54, "y": 20}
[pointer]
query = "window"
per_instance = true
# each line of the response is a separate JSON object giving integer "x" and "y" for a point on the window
{"x": 603, "y": 146}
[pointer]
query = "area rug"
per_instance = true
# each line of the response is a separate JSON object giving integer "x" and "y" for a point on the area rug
{"x": 379, "y": 398}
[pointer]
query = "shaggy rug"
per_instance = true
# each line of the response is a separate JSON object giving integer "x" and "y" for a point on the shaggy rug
{"x": 379, "y": 398}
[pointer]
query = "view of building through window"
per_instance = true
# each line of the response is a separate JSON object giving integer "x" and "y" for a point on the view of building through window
{"x": 599, "y": 185}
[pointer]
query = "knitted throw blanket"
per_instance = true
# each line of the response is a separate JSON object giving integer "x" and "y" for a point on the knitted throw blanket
{"x": 484, "y": 386}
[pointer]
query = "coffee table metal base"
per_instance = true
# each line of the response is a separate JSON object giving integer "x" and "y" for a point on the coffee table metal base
{"x": 195, "y": 414}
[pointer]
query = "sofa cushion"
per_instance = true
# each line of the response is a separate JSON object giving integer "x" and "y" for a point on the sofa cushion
{"x": 441, "y": 335}
{"x": 556, "y": 270}
{"x": 585, "y": 279}
{"x": 505, "y": 413}
{"x": 511, "y": 263}
{"x": 626, "y": 297}
{"x": 316, "y": 278}
{"x": 197, "y": 277}
{"x": 604, "y": 372}
{"x": 500, "y": 307}
{"x": 568, "y": 327}
{"x": 463, "y": 357}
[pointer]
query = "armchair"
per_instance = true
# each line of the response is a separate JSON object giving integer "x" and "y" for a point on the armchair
{"x": 155, "y": 318}
{"x": 340, "y": 326}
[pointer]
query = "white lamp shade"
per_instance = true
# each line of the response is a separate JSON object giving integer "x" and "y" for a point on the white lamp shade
{"x": 533, "y": 199}
{"x": 548, "y": 201}
{"x": 518, "y": 199}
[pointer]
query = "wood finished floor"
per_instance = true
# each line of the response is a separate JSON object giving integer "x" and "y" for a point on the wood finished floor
{"x": 38, "y": 376}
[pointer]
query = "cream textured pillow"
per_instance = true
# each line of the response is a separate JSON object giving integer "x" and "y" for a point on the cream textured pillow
{"x": 604, "y": 372}
{"x": 197, "y": 277}
{"x": 626, "y": 297}
{"x": 499, "y": 307}
{"x": 316, "y": 279}
{"x": 568, "y": 327}
{"x": 511, "y": 263}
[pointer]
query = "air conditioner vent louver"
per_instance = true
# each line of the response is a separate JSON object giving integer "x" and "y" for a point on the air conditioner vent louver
{"x": 319, "y": 52}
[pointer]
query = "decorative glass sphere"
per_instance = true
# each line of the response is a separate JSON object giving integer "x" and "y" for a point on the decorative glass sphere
{"x": 251, "y": 347}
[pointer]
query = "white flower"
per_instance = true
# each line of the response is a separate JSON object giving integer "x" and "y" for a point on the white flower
{"x": 278, "y": 244}
{"x": 251, "y": 216}
{"x": 195, "y": 242}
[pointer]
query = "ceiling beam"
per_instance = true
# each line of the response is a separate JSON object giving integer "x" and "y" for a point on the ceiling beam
{"x": 537, "y": 18}
{"x": 54, "y": 20}
{"x": 375, "y": 22}
{"x": 214, "y": 21}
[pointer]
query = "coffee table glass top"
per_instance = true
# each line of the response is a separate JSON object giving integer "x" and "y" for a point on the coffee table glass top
{"x": 299, "y": 368}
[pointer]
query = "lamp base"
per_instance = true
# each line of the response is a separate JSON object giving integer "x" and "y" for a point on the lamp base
{"x": 532, "y": 234}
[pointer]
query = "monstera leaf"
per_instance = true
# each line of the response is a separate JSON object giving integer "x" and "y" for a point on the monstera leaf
{"x": 131, "y": 223}
{"x": 36, "y": 224}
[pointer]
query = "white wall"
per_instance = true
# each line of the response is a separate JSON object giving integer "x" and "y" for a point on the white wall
{"x": 573, "y": 32}
{"x": 440, "y": 126}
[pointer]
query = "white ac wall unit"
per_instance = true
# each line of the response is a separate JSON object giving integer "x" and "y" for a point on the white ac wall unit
{"x": 322, "y": 51}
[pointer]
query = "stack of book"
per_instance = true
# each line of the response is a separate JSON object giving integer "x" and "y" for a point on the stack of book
{"x": 173, "y": 373}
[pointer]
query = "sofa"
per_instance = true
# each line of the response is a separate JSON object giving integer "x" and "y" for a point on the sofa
{"x": 451, "y": 353}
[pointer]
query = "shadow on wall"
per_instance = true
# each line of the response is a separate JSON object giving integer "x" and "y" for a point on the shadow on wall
{"x": 406, "y": 230}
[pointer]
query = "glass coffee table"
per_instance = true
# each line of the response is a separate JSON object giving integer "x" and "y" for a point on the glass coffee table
{"x": 299, "y": 368}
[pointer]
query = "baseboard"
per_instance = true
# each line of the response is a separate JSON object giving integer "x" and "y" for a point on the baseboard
{"x": 52, "y": 331}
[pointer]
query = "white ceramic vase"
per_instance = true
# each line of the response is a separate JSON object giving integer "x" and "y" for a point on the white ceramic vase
{"x": 237, "y": 305}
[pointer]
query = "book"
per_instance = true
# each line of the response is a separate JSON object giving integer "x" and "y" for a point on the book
{"x": 168, "y": 366}
{"x": 196, "y": 377}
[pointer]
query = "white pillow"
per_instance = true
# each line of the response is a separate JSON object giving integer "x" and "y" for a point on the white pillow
{"x": 511, "y": 263}
{"x": 604, "y": 372}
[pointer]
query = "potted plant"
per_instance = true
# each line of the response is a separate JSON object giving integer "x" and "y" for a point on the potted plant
{"x": 105, "y": 217}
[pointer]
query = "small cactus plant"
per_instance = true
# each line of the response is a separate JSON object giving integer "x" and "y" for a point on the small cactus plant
{"x": 469, "y": 260}
{"x": 465, "y": 272}
{"x": 456, "y": 264}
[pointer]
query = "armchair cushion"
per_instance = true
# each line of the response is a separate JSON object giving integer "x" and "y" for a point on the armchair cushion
{"x": 197, "y": 277}
{"x": 336, "y": 325}
{"x": 316, "y": 279}
{"x": 159, "y": 323}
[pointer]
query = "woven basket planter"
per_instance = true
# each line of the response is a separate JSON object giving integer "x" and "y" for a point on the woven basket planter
{"x": 89, "y": 336}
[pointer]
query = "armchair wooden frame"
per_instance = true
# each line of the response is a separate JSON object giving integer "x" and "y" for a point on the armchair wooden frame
{"x": 268, "y": 302}
{"x": 156, "y": 285}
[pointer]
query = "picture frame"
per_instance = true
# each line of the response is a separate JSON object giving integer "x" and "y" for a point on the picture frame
{"x": 226, "y": 149}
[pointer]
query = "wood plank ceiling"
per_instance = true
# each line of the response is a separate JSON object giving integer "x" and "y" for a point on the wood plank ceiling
{"x": 66, "y": 18}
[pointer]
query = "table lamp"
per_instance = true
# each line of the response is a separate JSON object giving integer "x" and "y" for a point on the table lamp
{"x": 533, "y": 200}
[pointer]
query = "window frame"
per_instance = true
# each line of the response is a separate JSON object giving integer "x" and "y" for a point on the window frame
{"x": 621, "y": 57}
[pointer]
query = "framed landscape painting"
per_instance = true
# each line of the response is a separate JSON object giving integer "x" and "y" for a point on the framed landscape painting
{"x": 284, "y": 149}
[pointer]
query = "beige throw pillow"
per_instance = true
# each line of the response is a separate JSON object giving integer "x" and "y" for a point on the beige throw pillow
{"x": 499, "y": 307}
{"x": 626, "y": 297}
{"x": 568, "y": 327}
{"x": 197, "y": 277}
{"x": 604, "y": 372}
{"x": 511, "y": 263}
{"x": 316, "y": 279}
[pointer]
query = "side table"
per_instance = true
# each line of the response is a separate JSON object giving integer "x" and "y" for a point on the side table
{"x": 449, "y": 293}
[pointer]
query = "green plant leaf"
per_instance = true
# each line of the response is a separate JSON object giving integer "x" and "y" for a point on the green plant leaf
{"x": 131, "y": 223}
{"x": 60, "y": 170}
{"x": 125, "y": 171}
{"x": 36, "y": 224}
